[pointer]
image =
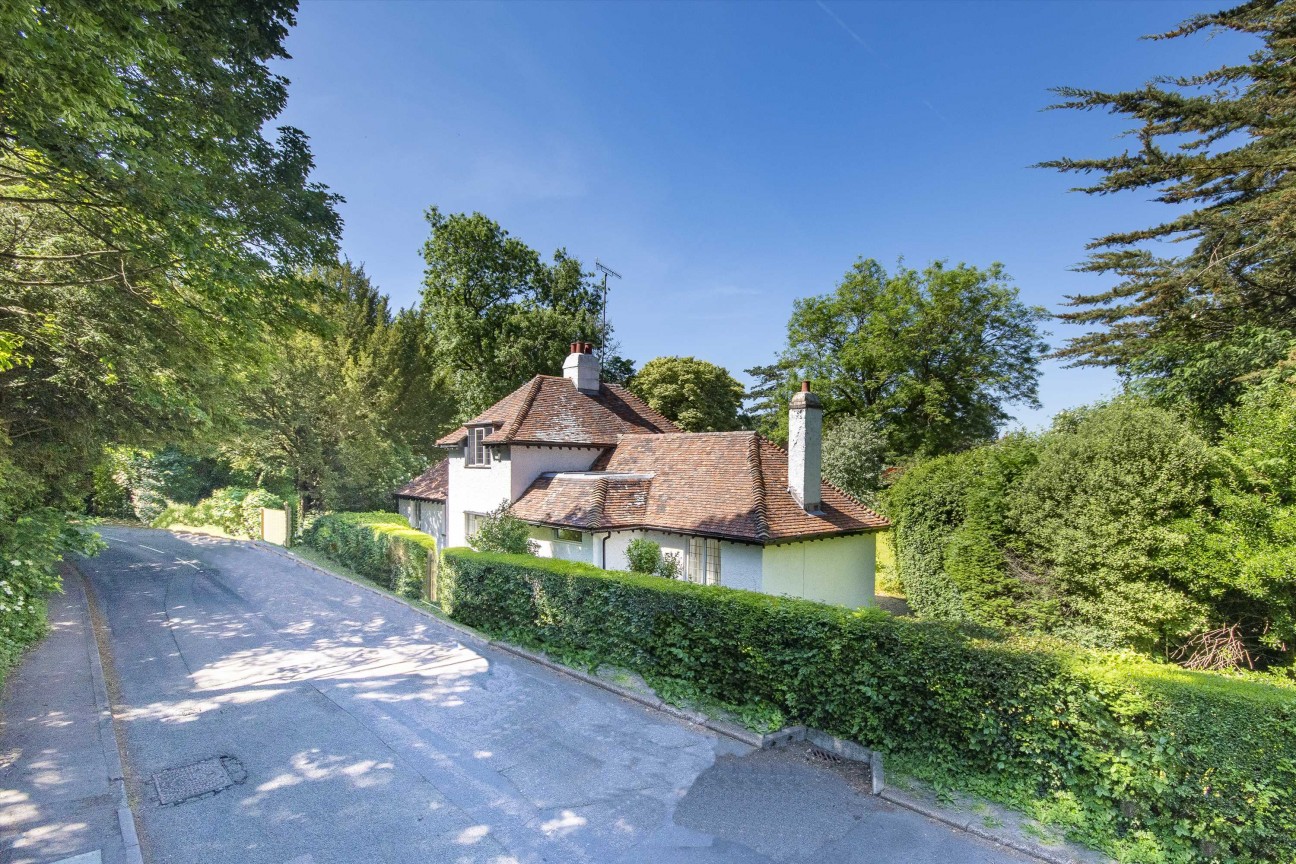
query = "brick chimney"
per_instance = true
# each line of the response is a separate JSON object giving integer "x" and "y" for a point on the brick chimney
{"x": 805, "y": 448}
{"x": 582, "y": 367}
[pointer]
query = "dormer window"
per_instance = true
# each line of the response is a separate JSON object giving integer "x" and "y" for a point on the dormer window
{"x": 478, "y": 455}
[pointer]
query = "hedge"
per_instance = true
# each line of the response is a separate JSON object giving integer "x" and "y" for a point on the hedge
{"x": 1146, "y": 761}
{"x": 379, "y": 546}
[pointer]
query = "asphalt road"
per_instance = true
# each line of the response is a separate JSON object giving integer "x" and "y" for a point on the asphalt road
{"x": 351, "y": 728}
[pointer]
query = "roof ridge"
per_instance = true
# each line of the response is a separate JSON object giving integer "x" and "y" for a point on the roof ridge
{"x": 758, "y": 488}
{"x": 514, "y": 424}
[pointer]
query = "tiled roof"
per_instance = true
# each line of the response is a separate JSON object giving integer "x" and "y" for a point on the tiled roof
{"x": 550, "y": 410}
{"x": 431, "y": 485}
{"x": 722, "y": 484}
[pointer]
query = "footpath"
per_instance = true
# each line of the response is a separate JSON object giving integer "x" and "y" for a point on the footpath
{"x": 62, "y": 799}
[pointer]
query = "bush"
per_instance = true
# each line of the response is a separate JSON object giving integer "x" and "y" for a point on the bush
{"x": 379, "y": 546}
{"x": 501, "y": 531}
{"x": 235, "y": 511}
{"x": 1147, "y": 761}
{"x": 33, "y": 540}
{"x": 644, "y": 556}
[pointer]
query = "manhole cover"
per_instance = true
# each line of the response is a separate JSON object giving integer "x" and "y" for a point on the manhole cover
{"x": 201, "y": 778}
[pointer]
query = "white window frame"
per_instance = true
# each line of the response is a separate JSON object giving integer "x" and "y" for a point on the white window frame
{"x": 703, "y": 561}
{"x": 477, "y": 454}
{"x": 558, "y": 535}
{"x": 472, "y": 524}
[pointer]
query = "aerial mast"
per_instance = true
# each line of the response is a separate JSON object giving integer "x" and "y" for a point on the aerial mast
{"x": 603, "y": 336}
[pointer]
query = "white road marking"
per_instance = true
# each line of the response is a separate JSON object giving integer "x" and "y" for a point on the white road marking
{"x": 151, "y": 549}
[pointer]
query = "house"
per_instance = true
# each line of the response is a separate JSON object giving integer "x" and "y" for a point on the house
{"x": 590, "y": 467}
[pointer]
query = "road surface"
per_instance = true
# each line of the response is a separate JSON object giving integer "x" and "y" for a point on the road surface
{"x": 345, "y": 727}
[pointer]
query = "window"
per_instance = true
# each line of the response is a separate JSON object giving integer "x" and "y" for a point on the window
{"x": 571, "y": 535}
{"x": 418, "y": 511}
{"x": 478, "y": 454}
{"x": 704, "y": 561}
{"x": 473, "y": 523}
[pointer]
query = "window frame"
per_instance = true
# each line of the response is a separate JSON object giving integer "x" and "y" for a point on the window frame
{"x": 418, "y": 511}
{"x": 559, "y": 538}
{"x": 704, "y": 563}
{"x": 477, "y": 453}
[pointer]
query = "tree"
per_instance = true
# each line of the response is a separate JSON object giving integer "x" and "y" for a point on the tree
{"x": 498, "y": 314}
{"x": 1217, "y": 147}
{"x": 343, "y": 415}
{"x": 150, "y": 236}
{"x": 854, "y": 454}
{"x": 932, "y": 357}
{"x": 699, "y": 396}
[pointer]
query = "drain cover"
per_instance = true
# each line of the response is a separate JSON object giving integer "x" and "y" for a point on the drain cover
{"x": 201, "y": 778}
{"x": 821, "y": 755}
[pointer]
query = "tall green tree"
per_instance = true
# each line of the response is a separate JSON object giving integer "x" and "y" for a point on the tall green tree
{"x": 151, "y": 236}
{"x": 932, "y": 357}
{"x": 343, "y": 416}
{"x": 699, "y": 396}
{"x": 1218, "y": 147}
{"x": 498, "y": 314}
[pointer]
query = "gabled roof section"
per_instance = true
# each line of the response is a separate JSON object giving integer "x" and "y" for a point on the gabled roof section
{"x": 722, "y": 484}
{"x": 550, "y": 410}
{"x": 431, "y": 485}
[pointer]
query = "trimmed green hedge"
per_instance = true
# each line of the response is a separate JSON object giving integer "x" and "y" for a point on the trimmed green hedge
{"x": 379, "y": 546}
{"x": 1147, "y": 761}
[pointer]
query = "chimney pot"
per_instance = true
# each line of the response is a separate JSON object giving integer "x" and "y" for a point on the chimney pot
{"x": 582, "y": 368}
{"x": 805, "y": 386}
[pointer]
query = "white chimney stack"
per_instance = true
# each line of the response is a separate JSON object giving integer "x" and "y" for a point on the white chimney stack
{"x": 805, "y": 448}
{"x": 582, "y": 368}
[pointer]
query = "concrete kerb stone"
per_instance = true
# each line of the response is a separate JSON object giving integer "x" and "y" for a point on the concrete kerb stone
{"x": 968, "y": 823}
{"x": 110, "y": 743}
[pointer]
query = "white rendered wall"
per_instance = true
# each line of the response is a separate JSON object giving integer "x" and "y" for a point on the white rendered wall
{"x": 741, "y": 566}
{"x": 433, "y": 521}
{"x": 474, "y": 490}
{"x": 619, "y": 541}
{"x": 547, "y": 546}
{"x": 530, "y": 462}
{"x": 512, "y": 469}
{"x": 838, "y": 570}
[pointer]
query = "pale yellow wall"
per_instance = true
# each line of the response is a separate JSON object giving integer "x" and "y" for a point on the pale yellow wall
{"x": 838, "y": 570}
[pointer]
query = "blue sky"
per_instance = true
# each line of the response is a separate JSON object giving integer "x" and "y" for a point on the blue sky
{"x": 727, "y": 158}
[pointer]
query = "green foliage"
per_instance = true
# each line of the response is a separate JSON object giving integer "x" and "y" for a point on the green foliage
{"x": 130, "y": 482}
{"x": 1217, "y": 147}
{"x": 644, "y": 556}
{"x": 1146, "y": 761}
{"x": 931, "y": 358}
{"x": 150, "y": 236}
{"x": 501, "y": 531}
{"x": 498, "y": 314}
{"x": 343, "y": 415}
{"x": 1119, "y": 527}
{"x": 379, "y": 546}
{"x": 234, "y": 510}
{"x": 33, "y": 540}
{"x": 854, "y": 454}
{"x": 699, "y": 396}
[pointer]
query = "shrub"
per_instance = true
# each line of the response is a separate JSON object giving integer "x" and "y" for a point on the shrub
{"x": 501, "y": 531}
{"x": 644, "y": 556}
{"x": 235, "y": 511}
{"x": 1147, "y": 761}
{"x": 379, "y": 546}
{"x": 33, "y": 540}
